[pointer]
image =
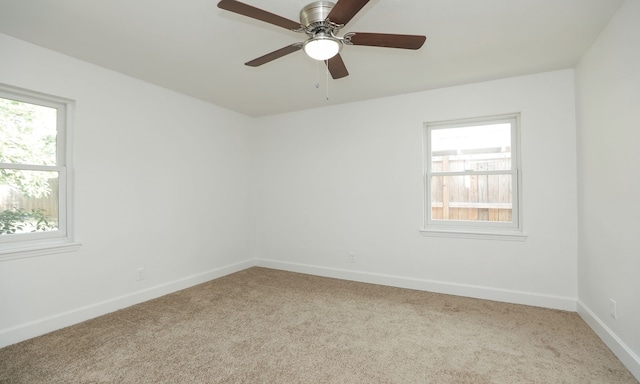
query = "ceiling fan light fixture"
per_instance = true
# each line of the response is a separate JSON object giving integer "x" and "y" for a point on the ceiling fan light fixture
{"x": 321, "y": 21}
{"x": 322, "y": 47}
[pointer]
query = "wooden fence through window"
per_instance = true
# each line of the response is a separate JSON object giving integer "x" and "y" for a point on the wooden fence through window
{"x": 472, "y": 197}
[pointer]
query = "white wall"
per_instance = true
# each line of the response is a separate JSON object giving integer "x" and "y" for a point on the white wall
{"x": 161, "y": 182}
{"x": 608, "y": 111}
{"x": 348, "y": 178}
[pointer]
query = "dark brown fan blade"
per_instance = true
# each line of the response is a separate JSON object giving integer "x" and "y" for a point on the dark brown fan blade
{"x": 257, "y": 13}
{"x": 386, "y": 40}
{"x": 336, "y": 67}
{"x": 274, "y": 55}
{"x": 344, "y": 10}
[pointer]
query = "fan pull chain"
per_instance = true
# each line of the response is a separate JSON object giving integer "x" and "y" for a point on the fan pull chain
{"x": 327, "y": 79}
{"x": 318, "y": 68}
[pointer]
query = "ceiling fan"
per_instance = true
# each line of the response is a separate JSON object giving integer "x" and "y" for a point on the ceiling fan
{"x": 321, "y": 21}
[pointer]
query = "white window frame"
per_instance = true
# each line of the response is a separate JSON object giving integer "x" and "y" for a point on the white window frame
{"x": 475, "y": 229}
{"x": 61, "y": 240}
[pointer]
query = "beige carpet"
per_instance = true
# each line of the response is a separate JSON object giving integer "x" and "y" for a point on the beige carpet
{"x": 267, "y": 326}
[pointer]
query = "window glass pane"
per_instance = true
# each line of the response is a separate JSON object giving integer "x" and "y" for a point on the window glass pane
{"x": 28, "y": 201}
{"x": 472, "y": 198}
{"x": 477, "y": 148}
{"x": 27, "y": 133}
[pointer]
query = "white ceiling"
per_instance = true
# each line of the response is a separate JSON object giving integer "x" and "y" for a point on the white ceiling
{"x": 195, "y": 48}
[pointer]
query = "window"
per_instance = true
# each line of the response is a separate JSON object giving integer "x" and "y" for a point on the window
{"x": 472, "y": 180}
{"x": 34, "y": 174}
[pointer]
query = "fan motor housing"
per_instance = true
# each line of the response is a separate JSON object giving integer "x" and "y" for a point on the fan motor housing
{"x": 315, "y": 13}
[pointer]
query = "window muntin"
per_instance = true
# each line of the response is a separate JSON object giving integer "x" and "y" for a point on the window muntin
{"x": 33, "y": 167}
{"x": 472, "y": 174}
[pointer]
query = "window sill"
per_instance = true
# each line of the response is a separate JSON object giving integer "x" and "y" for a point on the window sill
{"x": 12, "y": 252}
{"x": 474, "y": 234}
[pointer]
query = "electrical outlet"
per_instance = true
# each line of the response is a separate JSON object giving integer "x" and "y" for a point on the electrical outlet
{"x": 613, "y": 311}
{"x": 140, "y": 274}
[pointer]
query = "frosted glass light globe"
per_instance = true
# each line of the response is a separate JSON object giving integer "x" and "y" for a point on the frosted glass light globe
{"x": 322, "y": 47}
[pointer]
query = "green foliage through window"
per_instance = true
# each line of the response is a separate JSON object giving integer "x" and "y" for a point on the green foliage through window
{"x": 28, "y": 173}
{"x": 18, "y": 220}
{"x": 27, "y": 136}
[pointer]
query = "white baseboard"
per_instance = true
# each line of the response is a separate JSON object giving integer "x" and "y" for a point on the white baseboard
{"x": 39, "y": 327}
{"x": 478, "y": 292}
{"x": 630, "y": 359}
